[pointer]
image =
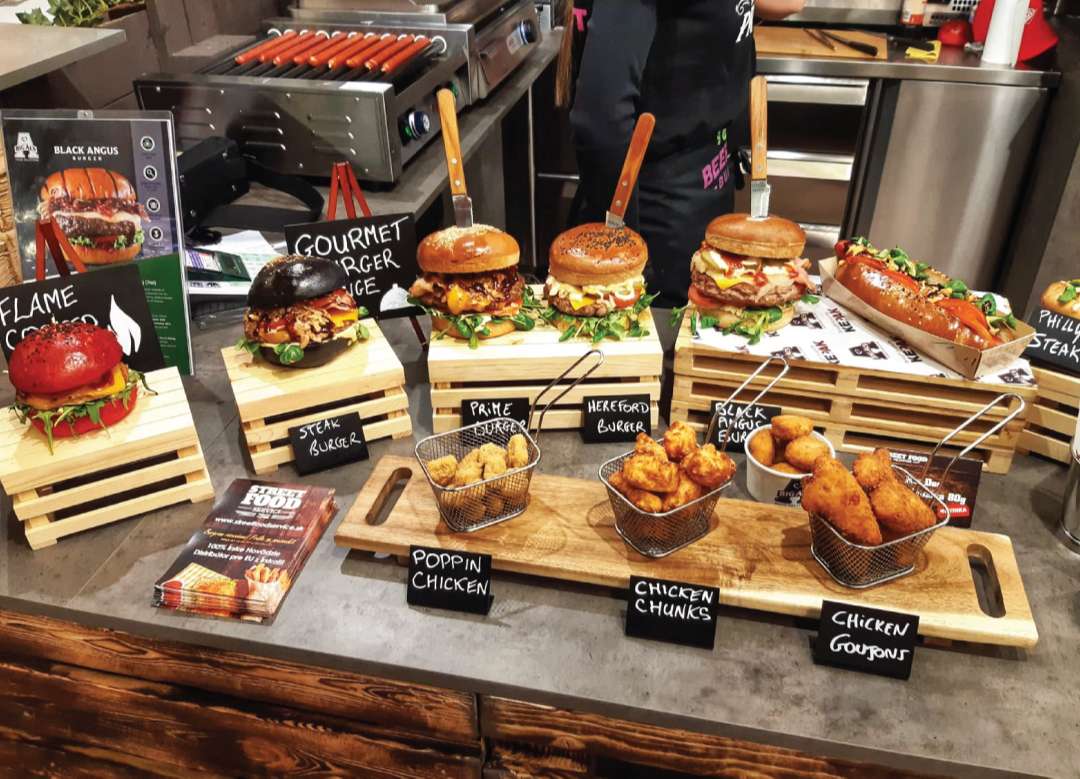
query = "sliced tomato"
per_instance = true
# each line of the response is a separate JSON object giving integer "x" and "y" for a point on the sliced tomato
{"x": 864, "y": 260}
{"x": 626, "y": 302}
{"x": 700, "y": 300}
{"x": 970, "y": 315}
{"x": 903, "y": 279}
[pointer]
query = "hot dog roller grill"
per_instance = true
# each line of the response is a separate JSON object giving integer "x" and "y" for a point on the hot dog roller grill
{"x": 351, "y": 80}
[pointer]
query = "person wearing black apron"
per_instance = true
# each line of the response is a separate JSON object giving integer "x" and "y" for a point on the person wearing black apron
{"x": 689, "y": 62}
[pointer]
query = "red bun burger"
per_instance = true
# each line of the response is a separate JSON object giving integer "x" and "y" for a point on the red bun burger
{"x": 70, "y": 379}
{"x": 749, "y": 273}
{"x": 470, "y": 283}
{"x": 98, "y": 211}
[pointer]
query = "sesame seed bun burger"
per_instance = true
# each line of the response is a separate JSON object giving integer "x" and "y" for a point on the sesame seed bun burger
{"x": 70, "y": 379}
{"x": 749, "y": 273}
{"x": 595, "y": 270}
{"x": 300, "y": 314}
{"x": 469, "y": 282}
{"x": 98, "y": 211}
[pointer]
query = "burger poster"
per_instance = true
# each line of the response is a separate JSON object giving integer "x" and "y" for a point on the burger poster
{"x": 107, "y": 180}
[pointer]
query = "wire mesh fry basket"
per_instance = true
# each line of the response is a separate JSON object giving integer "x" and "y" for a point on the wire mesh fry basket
{"x": 479, "y": 504}
{"x": 858, "y": 566}
{"x": 661, "y": 534}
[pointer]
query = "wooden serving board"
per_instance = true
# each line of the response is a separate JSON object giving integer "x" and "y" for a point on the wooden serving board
{"x": 367, "y": 379}
{"x": 795, "y": 41}
{"x": 757, "y": 554}
{"x": 521, "y": 363}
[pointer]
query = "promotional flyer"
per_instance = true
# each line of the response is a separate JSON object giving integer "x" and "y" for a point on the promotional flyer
{"x": 107, "y": 181}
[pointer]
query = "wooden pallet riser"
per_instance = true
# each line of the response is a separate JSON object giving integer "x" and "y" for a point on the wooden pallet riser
{"x": 854, "y": 440}
{"x": 149, "y": 460}
{"x": 886, "y": 418}
{"x": 367, "y": 379}
{"x": 1052, "y": 418}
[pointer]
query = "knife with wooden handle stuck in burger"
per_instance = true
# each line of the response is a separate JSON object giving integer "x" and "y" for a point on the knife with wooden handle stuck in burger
{"x": 635, "y": 155}
{"x": 455, "y": 165}
{"x": 759, "y": 147}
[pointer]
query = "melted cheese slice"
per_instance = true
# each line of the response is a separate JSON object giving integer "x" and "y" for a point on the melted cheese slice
{"x": 588, "y": 294}
{"x": 342, "y": 318}
{"x": 116, "y": 383}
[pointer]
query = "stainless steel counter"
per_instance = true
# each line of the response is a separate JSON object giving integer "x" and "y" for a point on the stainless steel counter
{"x": 28, "y": 51}
{"x": 953, "y": 65}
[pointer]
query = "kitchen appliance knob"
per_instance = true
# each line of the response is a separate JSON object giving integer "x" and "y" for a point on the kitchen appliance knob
{"x": 527, "y": 31}
{"x": 417, "y": 124}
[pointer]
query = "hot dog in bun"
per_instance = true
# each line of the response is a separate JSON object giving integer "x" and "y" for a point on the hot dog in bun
{"x": 70, "y": 379}
{"x": 98, "y": 212}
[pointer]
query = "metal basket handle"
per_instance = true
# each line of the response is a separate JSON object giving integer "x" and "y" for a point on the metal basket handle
{"x": 553, "y": 382}
{"x": 715, "y": 420}
{"x": 963, "y": 425}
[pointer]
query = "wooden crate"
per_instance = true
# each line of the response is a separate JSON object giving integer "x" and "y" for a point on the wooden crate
{"x": 367, "y": 379}
{"x": 857, "y": 409}
{"x": 522, "y": 363}
{"x": 148, "y": 460}
{"x": 1052, "y": 416}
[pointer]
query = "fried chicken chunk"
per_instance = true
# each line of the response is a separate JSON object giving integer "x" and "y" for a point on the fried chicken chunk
{"x": 643, "y": 499}
{"x": 645, "y": 445}
{"x": 763, "y": 448}
{"x": 788, "y": 427}
{"x": 687, "y": 491}
{"x": 647, "y": 472}
{"x": 442, "y": 469}
{"x": 679, "y": 441}
{"x": 787, "y": 468}
{"x": 873, "y": 468}
{"x": 899, "y": 510}
{"x": 832, "y": 493}
{"x": 468, "y": 472}
{"x": 493, "y": 459}
{"x": 803, "y": 451}
{"x": 708, "y": 467}
{"x": 517, "y": 451}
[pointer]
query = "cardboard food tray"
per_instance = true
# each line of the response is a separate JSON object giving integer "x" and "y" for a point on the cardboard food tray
{"x": 969, "y": 362}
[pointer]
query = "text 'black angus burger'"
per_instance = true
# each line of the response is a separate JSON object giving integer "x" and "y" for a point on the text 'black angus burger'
{"x": 70, "y": 379}
{"x": 300, "y": 313}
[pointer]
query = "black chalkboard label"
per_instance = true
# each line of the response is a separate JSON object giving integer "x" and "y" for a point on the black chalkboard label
{"x": 112, "y": 298}
{"x": 672, "y": 611}
{"x": 1056, "y": 341}
{"x": 473, "y": 410}
{"x": 378, "y": 253}
{"x": 737, "y": 431}
{"x": 328, "y": 443}
{"x": 449, "y": 579}
{"x": 612, "y": 418}
{"x": 863, "y": 639}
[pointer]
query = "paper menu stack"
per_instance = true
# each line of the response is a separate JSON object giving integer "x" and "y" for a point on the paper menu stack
{"x": 244, "y": 559}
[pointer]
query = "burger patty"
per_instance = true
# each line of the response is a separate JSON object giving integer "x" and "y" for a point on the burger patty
{"x": 599, "y": 308}
{"x": 745, "y": 294}
{"x": 89, "y": 227}
{"x": 306, "y": 322}
{"x": 493, "y": 292}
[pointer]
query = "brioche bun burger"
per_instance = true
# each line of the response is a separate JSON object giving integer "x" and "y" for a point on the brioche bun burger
{"x": 748, "y": 274}
{"x": 98, "y": 212}
{"x": 595, "y": 287}
{"x": 469, "y": 283}
{"x": 300, "y": 314}
{"x": 70, "y": 379}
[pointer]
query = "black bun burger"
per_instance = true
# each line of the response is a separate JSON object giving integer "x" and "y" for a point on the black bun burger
{"x": 749, "y": 273}
{"x": 470, "y": 283}
{"x": 299, "y": 313}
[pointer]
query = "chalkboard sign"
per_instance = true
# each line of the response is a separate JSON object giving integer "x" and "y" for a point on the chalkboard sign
{"x": 672, "y": 611}
{"x": 737, "y": 431}
{"x": 377, "y": 253}
{"x": 864, "y": 639}
{"x": 614, "y": 418}
{"x": 328, "y": 443}
{"x": 961, "y": 484}
{"x": 475, "y": 410}
{"x": 444, "y": 579}
{"x": 1056, "y": 341}
{"x": 112, "y": 298}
